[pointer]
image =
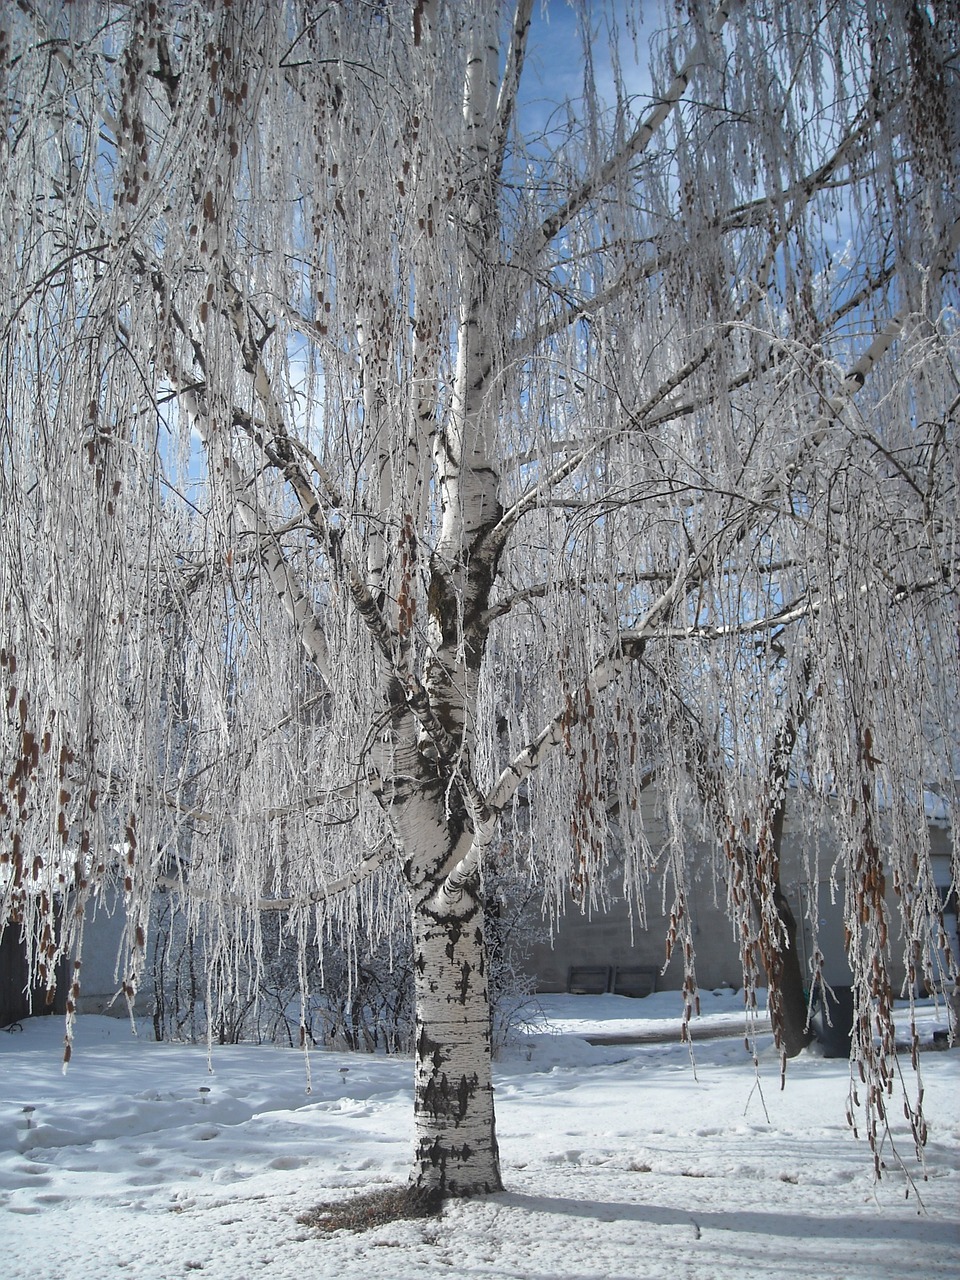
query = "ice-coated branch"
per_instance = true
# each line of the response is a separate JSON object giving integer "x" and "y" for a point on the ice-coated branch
{"x": 756, "y": 213}
{"x": 367, "y": 867}
{"x": 510, "y": 84}
{"x": 635, "y": 145}
{"x": 632, "y": 643}
{"x": 282, "y": 452}
{"x": 253, "y": 520}
{"x": 609, "y": 668}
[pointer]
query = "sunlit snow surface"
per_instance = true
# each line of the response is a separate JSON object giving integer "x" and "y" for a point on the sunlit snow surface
{"x": 620, "y": 1161}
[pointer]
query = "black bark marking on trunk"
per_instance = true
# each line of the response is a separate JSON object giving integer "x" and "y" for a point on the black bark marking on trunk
{"x": 438, "y": 1155}
{"x": 396, "y": 698}
{"x": 442, "y": 599}
{"x": 435, "y": 1098}
{"x": 465, "y": 1092}
{"x": 442, "y": 603}
{"x": 428, "y": 1048}
{"x": 449, "y": 1101}
{"x": 466, "y": 970}
{"x": 454, "y": 934}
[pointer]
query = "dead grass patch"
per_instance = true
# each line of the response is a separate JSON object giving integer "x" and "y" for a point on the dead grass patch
{"x": 373, "y": 1209}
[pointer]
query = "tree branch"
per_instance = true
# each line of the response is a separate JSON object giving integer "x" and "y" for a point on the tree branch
{"x": 510, "y": 84}
{"x": 635, "y": 145}
{"x": 631, "y": 644}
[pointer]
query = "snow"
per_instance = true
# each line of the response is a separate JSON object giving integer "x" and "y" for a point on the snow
{"x": 621, "y": 1161}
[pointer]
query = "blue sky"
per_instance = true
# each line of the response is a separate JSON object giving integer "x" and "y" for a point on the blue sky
{"x": 555, "y": 62}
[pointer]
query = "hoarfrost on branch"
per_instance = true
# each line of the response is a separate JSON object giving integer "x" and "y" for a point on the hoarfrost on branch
{"x": 397, "y": 475}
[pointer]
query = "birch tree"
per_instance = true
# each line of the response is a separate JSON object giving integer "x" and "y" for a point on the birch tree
{"x": 379, "y": 444}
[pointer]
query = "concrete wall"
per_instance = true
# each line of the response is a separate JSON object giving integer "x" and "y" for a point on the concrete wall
{"x": 103, "y": 944}
{"x": 610, "y": 938}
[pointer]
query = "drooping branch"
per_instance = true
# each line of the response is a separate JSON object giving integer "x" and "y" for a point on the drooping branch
{"x": 539, "y": 590}
{"x": 754, "y": 852}
{"x": 660, "y": 407}
{"x": 366, "y": 867}
{"x": 631, "y": 644}
{"x": 757, "y": 213}
{"x": 253, "y": 520}
{"x": 282, "y": 454}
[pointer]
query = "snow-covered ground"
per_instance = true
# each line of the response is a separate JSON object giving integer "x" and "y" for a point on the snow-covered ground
{"x": 621, "y": 1162}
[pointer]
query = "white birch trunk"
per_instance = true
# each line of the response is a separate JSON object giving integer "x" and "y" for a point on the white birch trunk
{"x": 456, "y": 1148}
{"x": 456, "y": 1145}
